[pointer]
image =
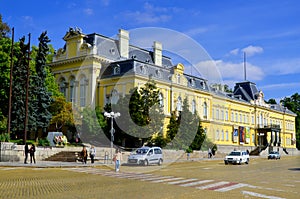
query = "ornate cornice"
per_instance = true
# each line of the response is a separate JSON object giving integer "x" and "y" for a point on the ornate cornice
{"x": 80, "y": 59}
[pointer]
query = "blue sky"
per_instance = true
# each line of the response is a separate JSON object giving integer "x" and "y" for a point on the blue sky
{"x": 268, "y": 31}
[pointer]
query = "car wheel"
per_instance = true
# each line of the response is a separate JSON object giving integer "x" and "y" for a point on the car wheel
{"x": 160, "y": 162}
{"x": 226, "y": 162}
{"x": 146, "y": 163}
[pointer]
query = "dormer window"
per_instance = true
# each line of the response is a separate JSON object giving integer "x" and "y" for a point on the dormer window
{"x": 192, "y": 81}
{"x": 158, "y": 73}
{"x": 117, "y": 69}
{"x": 144, "y": 69}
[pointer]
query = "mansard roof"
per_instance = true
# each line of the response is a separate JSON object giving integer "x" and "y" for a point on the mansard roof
{"x": 247, "y": 90}
{"x": 108, "y": 48}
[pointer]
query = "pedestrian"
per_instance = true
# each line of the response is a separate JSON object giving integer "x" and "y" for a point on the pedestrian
{"x": 213, "y": 152}
{"x": 84, "y": 155}
{"x": 31, "y": 152}
{"x": 117, "y": 159}
{"x": 26, "y": 151}
{"x": 92, "y": 154}
{"x": 209, "y": 153}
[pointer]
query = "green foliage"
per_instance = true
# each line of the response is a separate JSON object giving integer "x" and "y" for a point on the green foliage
{"x": 271, "y": 101}
{"x": 293, "y": 104}
{"x": 185, "y": 132}
{"x": 4, "y": 28}
{"x": 43, "y": 142}
{"x": 61, "y": 112}
{"x": 19, "y": 89}
{"x": 141, "y": 115}
{"x": 90, "y": 122}
{"x": 40, "y": 97}
{"x": 4, "y": 137}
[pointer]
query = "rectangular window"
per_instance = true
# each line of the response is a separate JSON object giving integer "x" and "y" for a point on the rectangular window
{"x": 226, "y": 115}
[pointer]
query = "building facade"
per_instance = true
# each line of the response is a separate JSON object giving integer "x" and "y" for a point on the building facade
{"x": 93, "y": 70}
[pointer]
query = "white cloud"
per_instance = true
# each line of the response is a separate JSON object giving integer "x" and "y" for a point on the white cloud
{"x": 252, "y": 50}
{"x": 234, "y": 51}
{"x": 150, "y": 14}
{"x": 284, "y": 67}
{"x": 281, "y": 86}
{"x": 235, "y": 71}
{"x": 88, "y": 11}
{"x": 249, "y": 50}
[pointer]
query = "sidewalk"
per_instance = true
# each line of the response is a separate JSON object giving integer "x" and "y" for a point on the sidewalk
{"x": 51, "y": 164}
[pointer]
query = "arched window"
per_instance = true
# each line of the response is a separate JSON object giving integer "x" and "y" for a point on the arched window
{"x": 178, "y": 78}
{"x": 205, "y": 110}
{"x": 63, "y": 86}
{"x": 72, "y": 90}
{"x": 179, "y": 104}
{"x": 114, "y": 97}
{"x": 193, "y": 106}
{"x": 161, "y": 100}
{"x": 83, "y": 89}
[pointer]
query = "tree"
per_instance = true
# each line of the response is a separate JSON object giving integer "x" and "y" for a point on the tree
{"x": 4, "y": 28}
{"x": 5, "y": 49}
{"x": 271, "y": 101}
{"x": 19, "y": 89}
{"x": 40, "y": 96}
{"x": 142, "y": 116}
{"x": 293, "y": 104}
{"x": 185, "y": 131}
{"x": 61, "y": 111}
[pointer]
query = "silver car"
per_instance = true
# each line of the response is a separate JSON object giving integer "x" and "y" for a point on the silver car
{"x": 145, "y": 156}
{"x": 274, "y": 155}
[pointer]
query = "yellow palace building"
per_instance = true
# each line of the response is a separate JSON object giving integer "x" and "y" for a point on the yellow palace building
{"x": 93, "y": 70}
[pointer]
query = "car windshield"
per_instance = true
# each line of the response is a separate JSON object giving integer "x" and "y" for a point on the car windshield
{"x": 141, "y": 151}
{"x": 234, "y": 153}
{"x": 273, "y": 152}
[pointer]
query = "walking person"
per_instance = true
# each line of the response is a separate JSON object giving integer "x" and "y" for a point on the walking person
{"x": 84, "y": 155}
{"x": 209, "y": 153}
{"x": 117, "y": 159}
{"x": 31, "y": 152}
{"x": 26, "y": 151}
{"x": 92, "y": 154}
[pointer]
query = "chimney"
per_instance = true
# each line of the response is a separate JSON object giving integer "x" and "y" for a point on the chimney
{"x": 124, "y": 43}
{"x": 157, "y": 51}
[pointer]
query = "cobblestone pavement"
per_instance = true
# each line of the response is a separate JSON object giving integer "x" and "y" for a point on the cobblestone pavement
{"x": 190, "y": 179}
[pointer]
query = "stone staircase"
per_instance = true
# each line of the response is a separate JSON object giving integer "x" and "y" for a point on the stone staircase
{"x": 64, "y": 156}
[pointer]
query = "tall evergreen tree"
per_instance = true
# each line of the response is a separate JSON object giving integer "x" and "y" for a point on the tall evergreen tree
{"x": 40, "y": 101}
{"x": 19, "y": 90}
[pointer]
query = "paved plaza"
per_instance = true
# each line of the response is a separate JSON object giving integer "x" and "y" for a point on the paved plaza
{"x": 262, "y": 178}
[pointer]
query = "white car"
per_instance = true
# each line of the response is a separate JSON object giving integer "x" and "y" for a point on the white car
{"x": 237, "y": 157}
{"x": 145, "y": 156}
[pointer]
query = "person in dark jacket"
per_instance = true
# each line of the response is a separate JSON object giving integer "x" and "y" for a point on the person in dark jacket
{"x": 26, "y": 151}
{"x": 31, "y": 152}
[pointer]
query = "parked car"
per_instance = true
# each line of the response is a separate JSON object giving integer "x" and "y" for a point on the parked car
{"x": 274, "y": 155}
{"x": 237, "y": 157}
{"x": 145, "y": 156}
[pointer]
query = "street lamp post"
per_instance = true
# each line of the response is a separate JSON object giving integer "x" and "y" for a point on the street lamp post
{"x": 112, "y": 115}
